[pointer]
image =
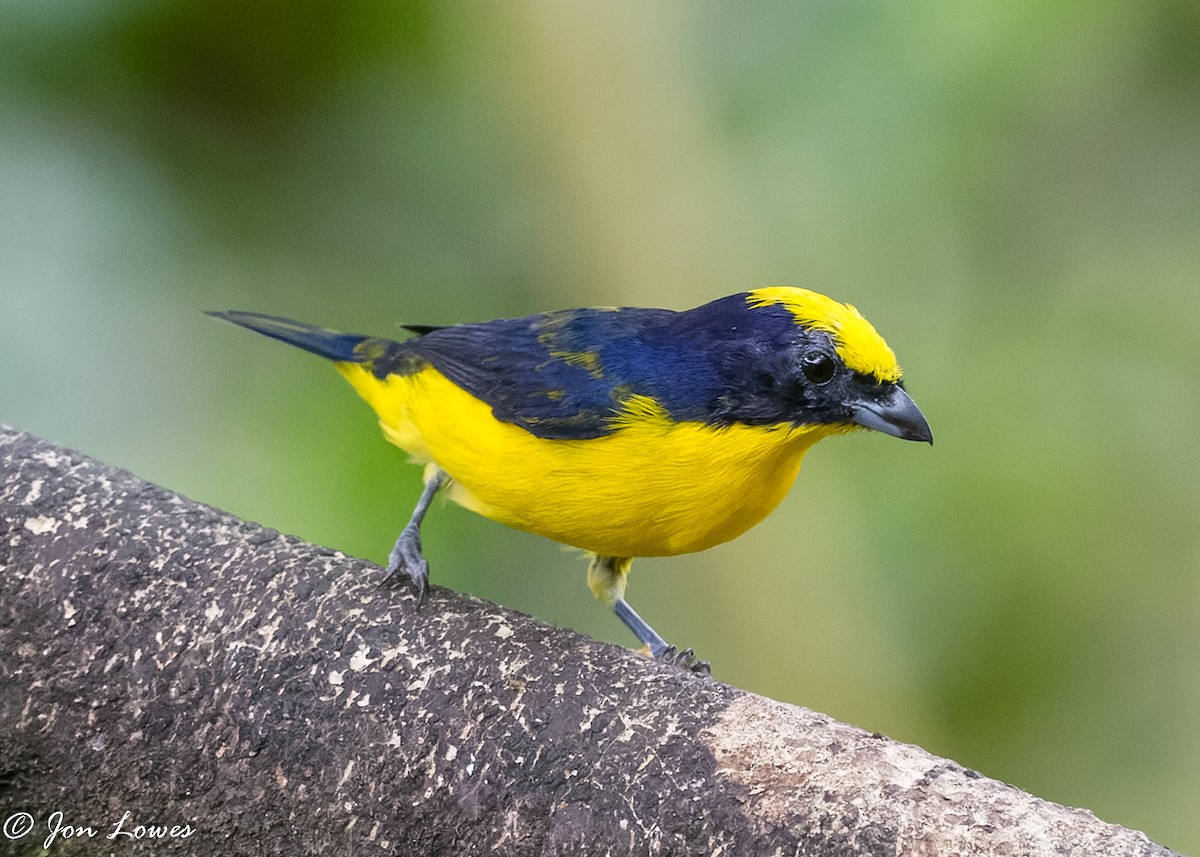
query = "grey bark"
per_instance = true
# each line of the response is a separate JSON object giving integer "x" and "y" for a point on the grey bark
{"x": 265, "y": 696}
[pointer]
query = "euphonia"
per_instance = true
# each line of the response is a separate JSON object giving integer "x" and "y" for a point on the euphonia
{"x": 626, "y": 431}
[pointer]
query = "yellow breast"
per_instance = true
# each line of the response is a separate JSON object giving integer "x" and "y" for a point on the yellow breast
{"x": 651, "y": 488}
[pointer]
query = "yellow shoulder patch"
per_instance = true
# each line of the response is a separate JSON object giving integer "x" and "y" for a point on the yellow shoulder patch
{"x": 857, "y": 342}
{"x": 639, "y": 410}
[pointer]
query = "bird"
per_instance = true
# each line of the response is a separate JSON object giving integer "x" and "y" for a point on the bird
{"x": 623, "y": 431}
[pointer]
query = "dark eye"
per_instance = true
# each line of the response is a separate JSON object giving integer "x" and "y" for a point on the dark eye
{"x": 818, "y": 367}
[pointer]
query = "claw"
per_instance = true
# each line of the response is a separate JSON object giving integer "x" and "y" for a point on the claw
{"x": 407, "y": 564}
{"x": 686, "y": 661}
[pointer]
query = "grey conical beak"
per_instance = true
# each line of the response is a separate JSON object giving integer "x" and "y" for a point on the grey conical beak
{"x": 894, "y": 413}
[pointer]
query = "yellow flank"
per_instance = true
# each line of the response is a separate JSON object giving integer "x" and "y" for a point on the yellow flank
{"x": 858, "y": 344}
{"x": 653, "y": 487}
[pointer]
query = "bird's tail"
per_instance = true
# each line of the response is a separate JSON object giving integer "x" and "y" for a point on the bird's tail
{"x": 341, "y": 347}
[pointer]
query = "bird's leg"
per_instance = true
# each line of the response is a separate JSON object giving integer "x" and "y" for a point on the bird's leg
{"x": 406, "y": 556}
{"x": 607, "y": 578}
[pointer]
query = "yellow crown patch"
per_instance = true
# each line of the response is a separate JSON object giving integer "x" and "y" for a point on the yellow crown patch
{"x": 857, "y": 342}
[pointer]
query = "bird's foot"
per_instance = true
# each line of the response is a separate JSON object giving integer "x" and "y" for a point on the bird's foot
{"x": 407, "y": 564}
{"x": 686, "y": 660}
{"x": 655, "y": 645}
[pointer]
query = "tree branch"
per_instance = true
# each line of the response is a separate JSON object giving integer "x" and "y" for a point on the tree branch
{"x": 264, "y": 696}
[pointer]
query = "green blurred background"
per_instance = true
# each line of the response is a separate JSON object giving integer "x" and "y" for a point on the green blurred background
{"x": 1009, "y": 190}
